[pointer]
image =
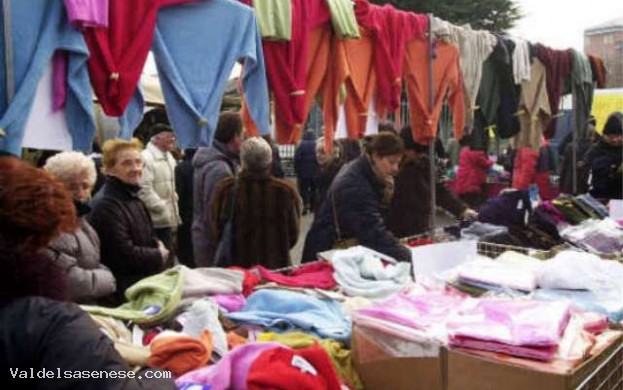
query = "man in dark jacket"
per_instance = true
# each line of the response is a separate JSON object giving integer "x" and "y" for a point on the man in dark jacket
{"x": 355, "y": 201}
{"x": 128, "y": 245}
{"x": 184, "y": 187}
{"x": 604, "y": 161}
{"x": 260, "y": 238}
{"x": 212, "y": 165}
{"x": 410, "y": 209}
{"x": 38, "y": 331}
{"x": 307, "y": 170}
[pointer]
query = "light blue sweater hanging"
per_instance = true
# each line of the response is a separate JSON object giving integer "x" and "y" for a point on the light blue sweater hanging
{"x": 39, "y": 28}
{"x": 196, "y": 46}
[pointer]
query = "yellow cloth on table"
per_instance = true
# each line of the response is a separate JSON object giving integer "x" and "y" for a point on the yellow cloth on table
{"x": 341, "y": 357}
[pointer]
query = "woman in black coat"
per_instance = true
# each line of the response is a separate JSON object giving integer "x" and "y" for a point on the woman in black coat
{"x": 359, "y": 195}
{"x": 128, "y": 245}
{"x": 184, "y": 172}
{"x": 38, "y": 331}
{"x": 604, "y": 160}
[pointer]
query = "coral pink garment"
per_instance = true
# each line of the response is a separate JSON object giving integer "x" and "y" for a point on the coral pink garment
{"x": 543, "y": 353}
{"x": 416, "y": 310}
{"x": 513, "y": 322}
{"x": 119, "y": 52}
{"x": 472, "y": 174}
{"x": 395, "y": 29}
{"x": 447, "y": 83}
{"x": 230, "y": 302}
{"x": 87, "y": 13}
{"x": 313, "y": 275}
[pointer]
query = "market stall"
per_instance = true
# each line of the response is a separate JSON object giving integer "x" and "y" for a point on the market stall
{"x": 355, "y": 318}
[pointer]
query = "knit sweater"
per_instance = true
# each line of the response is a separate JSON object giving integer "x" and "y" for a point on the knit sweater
{"x": 394, "y": 30}
{"x": 119, "y": 52}
{"x": 274, "y": 18}
{"x": 88, "y": 13}
{"x": 353, "y": 67}
{"x": 39, "y": 28}
{"x": 475, "y": 47}
{"x": 521, "y": 61}
{"x": 558, "y": 65}
{"x": 447, "y": 81}
{"x": 286, "y": 70}
{"x": 534, "y": 113}
{"x": 498, "y": 97}
{"x": 187, "y": 64}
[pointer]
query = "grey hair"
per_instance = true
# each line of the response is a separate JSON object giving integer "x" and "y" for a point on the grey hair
{"x": 255, "y": 154}
{"x": 320, "y": 148}
{"x": 69, "y": 165}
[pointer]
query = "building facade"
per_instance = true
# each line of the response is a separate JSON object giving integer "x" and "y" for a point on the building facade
{"x": 606, "y": 41}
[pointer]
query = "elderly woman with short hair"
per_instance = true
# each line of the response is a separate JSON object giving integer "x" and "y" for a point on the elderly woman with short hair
{"x": 122, "y": 221}
{"x": 78, "y": 252}
{"x": 267, "y": 210}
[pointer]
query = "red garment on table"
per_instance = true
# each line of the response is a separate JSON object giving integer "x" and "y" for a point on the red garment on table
{"x": 313, "y": 275}
{"x": 447, "y": 81}
{"x": 419, "y": 242}
{"x": 524, "y": 172}
{"x": 302, "y": 369}
{"x": 250, "y": 281}
{"x": 119, "y": 52}
{"x": 558, "y": 66}
{"x": 472, "y": 174}
{"x": 395, "y": 29}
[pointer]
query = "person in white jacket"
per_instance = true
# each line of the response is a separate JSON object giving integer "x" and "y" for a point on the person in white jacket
{"x": 158, "y": 183}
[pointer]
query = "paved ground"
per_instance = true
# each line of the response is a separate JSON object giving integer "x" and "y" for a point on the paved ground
{"x": 297, "y": 251}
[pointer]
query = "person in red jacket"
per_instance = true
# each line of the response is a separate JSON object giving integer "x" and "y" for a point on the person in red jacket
{"x": 472, "y": 175}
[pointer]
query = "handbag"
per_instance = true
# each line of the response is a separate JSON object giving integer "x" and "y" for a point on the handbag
{"x": 225, "y": 251}
{"x": 340, "y": 243}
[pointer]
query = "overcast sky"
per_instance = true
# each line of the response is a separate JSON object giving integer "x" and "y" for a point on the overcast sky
{"x": 560, "y": 24}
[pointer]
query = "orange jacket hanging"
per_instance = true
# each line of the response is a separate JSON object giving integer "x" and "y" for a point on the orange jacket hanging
{"x": 352, "y": 67}
{"x": 447, "y": 81}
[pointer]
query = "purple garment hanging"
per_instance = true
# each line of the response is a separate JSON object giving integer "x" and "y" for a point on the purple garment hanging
{"x": 87, "y": 13}
{"x": 81, "y": 14}
{"x": 59, "y": 80}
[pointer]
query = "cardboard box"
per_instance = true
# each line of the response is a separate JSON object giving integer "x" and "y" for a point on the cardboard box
{"x": 383, "y": 367}
{"x": 468, "y": 370}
